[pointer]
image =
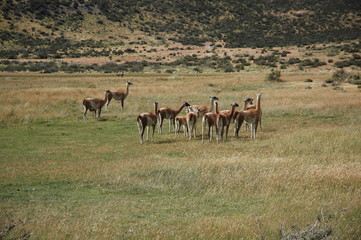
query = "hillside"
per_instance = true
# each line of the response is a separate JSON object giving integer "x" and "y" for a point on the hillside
{"x": 237, "y": 23}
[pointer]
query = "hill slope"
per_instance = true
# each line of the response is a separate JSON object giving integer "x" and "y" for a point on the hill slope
{"x": 190, "y": 22}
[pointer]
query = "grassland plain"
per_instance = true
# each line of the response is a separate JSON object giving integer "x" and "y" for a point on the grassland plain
{"x": 63, "y": 178}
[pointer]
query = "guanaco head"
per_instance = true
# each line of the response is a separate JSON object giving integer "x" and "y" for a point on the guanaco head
{"x": 214, "y": 98}
{"x": 186, "y": 104}
{"x": 248, "y": 100}
{"x": 189, "y": 109}
{"x": 198, "y": 110}
{"x": 107, "y": 93}
{"x": 129, "y": 83}
{"x": 234, "y": 105}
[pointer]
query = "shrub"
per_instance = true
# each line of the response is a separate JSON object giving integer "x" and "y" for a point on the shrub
{"x": 308, "y": 80}
{"x": 170, "y": 70}
{"x": 269, "y": 60}
{"x": 294, "y": 60}
{"x": 274, "y": 76}
{"x": 137, "y": 67}
{"x": 239, "y": 67}
{"x": 339, "y": 75}
{"x": 228, "y": 68}
{"x": 110, "y": 67}
{"x": 347, "y": 63}
{"x": 198, "y": 70}
{"x": 354, "y": 79}
{"x": 315, "y": 63}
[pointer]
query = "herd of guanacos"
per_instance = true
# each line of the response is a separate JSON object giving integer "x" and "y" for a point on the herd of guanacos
{"x": 210, "y": 115}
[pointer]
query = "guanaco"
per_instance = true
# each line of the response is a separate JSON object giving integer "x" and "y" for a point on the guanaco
{"x": 252, "y": 116}
{"x": 169, "y": 113}
{"x": 147, "y": 119}
{"x": 210, "y": 120}
{"x": 182, "y": 121}
{"x": 94, "y": 105}
{"x": 238, "y": 118}
{"x": 192, "y": 118}
{"x": 119, "y": 95}
{"x": 224, "y": 119}
{"x": 203, "y": 109}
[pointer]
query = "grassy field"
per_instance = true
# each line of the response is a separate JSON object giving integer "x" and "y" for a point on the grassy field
{"x": 64, "y": 178}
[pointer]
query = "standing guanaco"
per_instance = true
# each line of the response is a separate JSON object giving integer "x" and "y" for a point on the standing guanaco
{"x": 252, "y": 116}
{"x": 192, "y": 118}
{"x": 203, "y": 109}
{"x": 147, "y": 119}
{"x": 169, "y": 113}
{"x": 224, "y": 119}
{"x": 210, "y": 120}
{"x": 238, "y": 118}
{"x": 182, "y": 121}
{"x": 119, "y": 95}
{"x": 94, "y": 105}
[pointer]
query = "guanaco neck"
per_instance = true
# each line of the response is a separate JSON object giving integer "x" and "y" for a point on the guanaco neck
{"x": 155, "y": 108}
{"x": 258, "y": 106}
{"x": 106, "y": 96}
{"x": 212, "y": 105}
{"x": 127, "y": 90}
{"x": 216, "y": 104}
{"x": 232, "y": 110}
{"x": 179, "y": 110}
{"x": 245, "y": 104}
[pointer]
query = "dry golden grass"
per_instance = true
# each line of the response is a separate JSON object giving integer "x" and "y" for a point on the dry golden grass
{"x": 64, "y": 178}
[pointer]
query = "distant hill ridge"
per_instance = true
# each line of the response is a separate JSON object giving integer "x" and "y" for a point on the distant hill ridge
{"x": 236, "y": 23}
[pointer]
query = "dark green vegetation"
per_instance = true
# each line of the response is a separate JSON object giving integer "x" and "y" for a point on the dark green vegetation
{"x": 272, "y": 59}
{"x": 214, "y": 62}
{"x": 264, "y": 23}
{"x": 341, "y": 76}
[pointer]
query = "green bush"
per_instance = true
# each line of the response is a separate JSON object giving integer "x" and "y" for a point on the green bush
{"x": 354, "y": 79}
{"x": 170, "y": 70}
{"x": 198, "y": 70}
{"x": 274, "y": 76}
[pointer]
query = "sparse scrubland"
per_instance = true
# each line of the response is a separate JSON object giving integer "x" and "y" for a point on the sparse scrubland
{"x": 65, "y": 178}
